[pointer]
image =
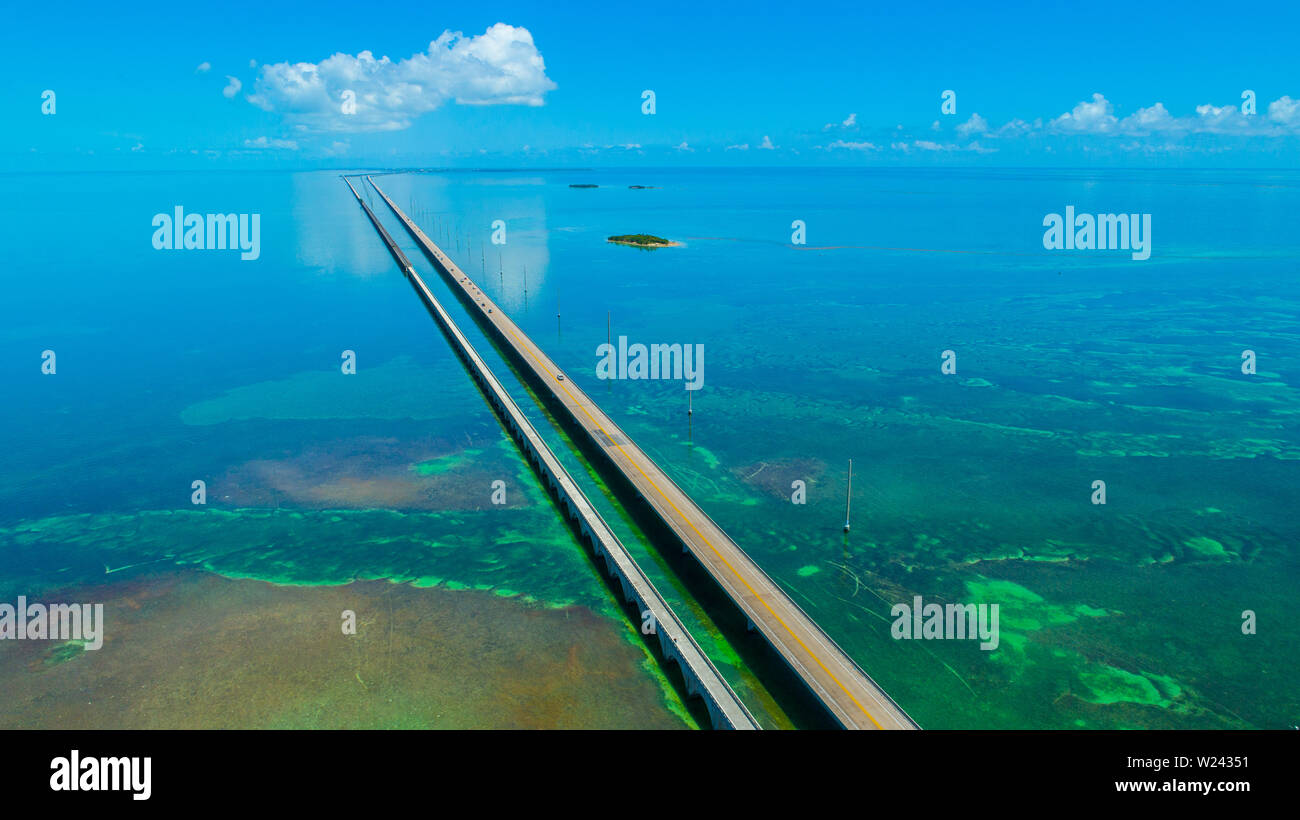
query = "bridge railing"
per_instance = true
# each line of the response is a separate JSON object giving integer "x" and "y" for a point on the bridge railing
{"x": 795, "y": 604}
{"x": 575, "y": 495}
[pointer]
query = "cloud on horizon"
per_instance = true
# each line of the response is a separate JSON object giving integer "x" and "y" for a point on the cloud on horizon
{"x": 852, "y": 146}
{"x": 1096, "y": 116}
{"x": 1152, "y": 129}
{"x": 263, "y": 142}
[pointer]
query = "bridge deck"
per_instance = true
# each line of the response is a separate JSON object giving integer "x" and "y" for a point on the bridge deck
{"x": 848, "y": 693}
{"x": 703, "y": 679}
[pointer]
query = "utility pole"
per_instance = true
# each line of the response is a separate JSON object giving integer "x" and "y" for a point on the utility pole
{"x": 690, "y": 416}
{"x": 848, "y": 497}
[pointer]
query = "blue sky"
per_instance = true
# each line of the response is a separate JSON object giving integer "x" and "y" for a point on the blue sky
{"x": 147, "y": 85}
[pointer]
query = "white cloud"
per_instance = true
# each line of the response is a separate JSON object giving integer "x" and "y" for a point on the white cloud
{"x": 975, "y": 125}
{"x": 1209, "y": 119}
{"x": 930, "y": 145}
{"x": 263, "y": 142}
{"x": 1151, "y": 118}
{"x": 233, "y": 88}
{"x": 851, "y": 121}
{"x": 741, "y": 147}
{"x": 1285, "y": 111}
{"x": 1092, "y": 117}
{"x": 1153, "y": 150}
{"x": 766, "y": 144}
{"x": 203, "y": 67}
{"x": 1097, "y": 117}
{"x": 1225, "y": 119}
{"x": 1212, "y": 111}
{"x": 502, "y": 66}
{"x": 685, "y": 147}
{"x": 854, "y": 146}
{"x": 252, "y": 63}
{"x": 1283, "y": 118}
{"x": 1015, "y": 128}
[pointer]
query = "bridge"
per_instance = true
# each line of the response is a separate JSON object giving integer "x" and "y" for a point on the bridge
{"x": 702, "y": 679}
{"x": 847, "y": 692}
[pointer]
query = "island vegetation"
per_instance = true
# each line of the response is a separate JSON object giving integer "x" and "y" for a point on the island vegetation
{"x": 643, "y": 240}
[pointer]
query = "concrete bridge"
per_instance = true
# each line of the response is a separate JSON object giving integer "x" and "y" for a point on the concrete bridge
{"x": 847, "y": 692}
{"x": 702, "y": 678}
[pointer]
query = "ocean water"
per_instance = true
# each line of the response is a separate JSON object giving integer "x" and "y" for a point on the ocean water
{"x": 971, "y": 488}
{"x": 177, "y": 366}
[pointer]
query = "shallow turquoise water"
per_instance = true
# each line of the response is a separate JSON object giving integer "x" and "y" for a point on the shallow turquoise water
{"x": 971, "y": 488}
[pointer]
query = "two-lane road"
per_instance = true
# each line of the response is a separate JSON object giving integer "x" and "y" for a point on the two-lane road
{"x": 851, "y": 696}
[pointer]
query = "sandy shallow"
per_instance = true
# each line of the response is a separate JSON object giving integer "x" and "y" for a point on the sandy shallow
{"x": 191, "y": 649}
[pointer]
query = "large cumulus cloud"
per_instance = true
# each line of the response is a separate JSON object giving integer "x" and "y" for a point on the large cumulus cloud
{"x": 501, "y": 66}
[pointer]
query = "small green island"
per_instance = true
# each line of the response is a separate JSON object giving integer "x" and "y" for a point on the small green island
{"x": 643, "y": 240}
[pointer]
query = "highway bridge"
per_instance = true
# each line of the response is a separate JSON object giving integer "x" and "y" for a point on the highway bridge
{"x": 848, "y": 693}
{"x": 702, "y": 679}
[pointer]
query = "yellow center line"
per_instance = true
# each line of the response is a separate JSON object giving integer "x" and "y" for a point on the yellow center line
{"x": 691, "y": 524}
{"x": 500, "y": 321}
